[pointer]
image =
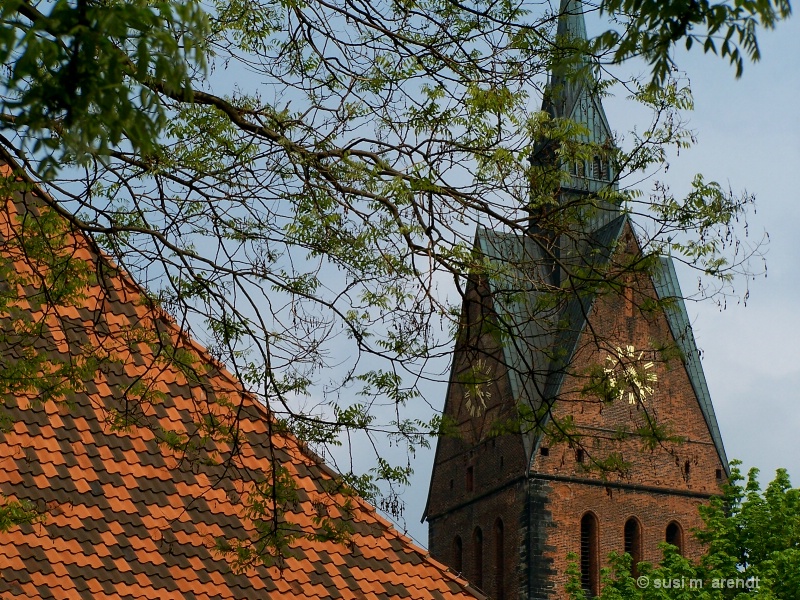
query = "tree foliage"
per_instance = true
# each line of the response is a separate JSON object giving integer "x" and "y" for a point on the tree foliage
{"x": 752, "y": 550}
{"x": 653, "y": 29}
{"x": 83, "y": 77}
{"x": 298, "y": 183}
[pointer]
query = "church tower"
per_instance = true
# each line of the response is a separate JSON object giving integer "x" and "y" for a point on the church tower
{"x": 583, "y": 422}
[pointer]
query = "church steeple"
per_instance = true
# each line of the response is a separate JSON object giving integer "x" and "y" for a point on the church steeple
{"x": 571, "y": 23}
{"x": 565, "y": 81}
{"x": 572, "y": 94}
{"x": 507, "y": 504}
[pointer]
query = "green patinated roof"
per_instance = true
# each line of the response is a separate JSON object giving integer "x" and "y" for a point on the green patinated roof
{"x": 540, "y": 340}
{"x": 516, "y": 299}
{"x": 668, "y": 288}
{"x": 538, "y": 355}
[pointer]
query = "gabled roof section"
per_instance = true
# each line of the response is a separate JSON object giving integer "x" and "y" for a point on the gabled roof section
{"x": 552, "y": 360}
{"x": 669, "y": 290}
{"x": 125, "y": 517}
{"x": 572, "y": 322}
{"x": 539, "y": 340}
{"x": 516, "y": 271}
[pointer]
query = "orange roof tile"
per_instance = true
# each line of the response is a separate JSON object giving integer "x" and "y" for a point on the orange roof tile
{"x": 125, "y": 518}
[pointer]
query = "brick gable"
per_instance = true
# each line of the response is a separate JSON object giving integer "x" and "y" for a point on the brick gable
{"x": 547, "y": 488}
{"x": 662, "y": 484}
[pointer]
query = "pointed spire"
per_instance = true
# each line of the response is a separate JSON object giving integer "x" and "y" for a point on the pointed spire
{"x": 564, "y": 85}
{"x": 571, "y": 93}
{"x": 571, "y": 23}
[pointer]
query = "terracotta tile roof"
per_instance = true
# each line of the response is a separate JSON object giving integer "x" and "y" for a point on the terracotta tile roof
{"x": 124, "y": 517}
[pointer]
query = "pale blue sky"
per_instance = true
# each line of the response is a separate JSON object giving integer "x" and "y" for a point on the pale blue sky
{"x": 749, "y": 134}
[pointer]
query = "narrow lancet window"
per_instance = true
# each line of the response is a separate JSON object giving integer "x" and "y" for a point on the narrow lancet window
{"x": 458, "y": 554}
{"x": 499, "y": 560}
{"x": 477, "y": 549}
{"x": 675, "y": 536}
{"x": 633, "y": 542}
{"x": 590, "y": 570}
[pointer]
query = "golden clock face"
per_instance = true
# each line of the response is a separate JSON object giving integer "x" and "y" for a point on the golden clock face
{"x": 629, "y": 376}
{"x": 476, "y": 391}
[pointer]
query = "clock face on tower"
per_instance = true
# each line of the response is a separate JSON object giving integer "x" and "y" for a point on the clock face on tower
{"x": 476, "y": 391}
{"x": 629, "y": 376}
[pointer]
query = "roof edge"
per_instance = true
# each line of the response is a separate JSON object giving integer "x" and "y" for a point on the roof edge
{"x": 668, "y": 288}
{"x": 252, "y": 399}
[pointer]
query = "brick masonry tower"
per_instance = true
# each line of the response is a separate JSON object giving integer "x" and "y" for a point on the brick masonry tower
{"x": 550, "y": 399}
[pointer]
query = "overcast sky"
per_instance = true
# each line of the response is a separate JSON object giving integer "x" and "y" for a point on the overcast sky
{"x": 748, "y": 138}
{"x": 749, "y": 134}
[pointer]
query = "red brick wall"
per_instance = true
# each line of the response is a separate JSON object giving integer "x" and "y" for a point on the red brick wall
{"x": 672, "y": 405}
{"x": 462, "y": 521}
{"x": 498, "y": 463}
{"x": 613, "y": 507}
{"x": 541, "y": 516}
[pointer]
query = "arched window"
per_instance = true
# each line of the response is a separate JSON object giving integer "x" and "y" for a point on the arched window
{"x": 458, "y": 554}
{"x": 675, "y": 536}
{"x": 477, "y": 549}
{"x": 590, "y": 569}
{"x": 499, "y": 560}
{"x": 633, "y": 542}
